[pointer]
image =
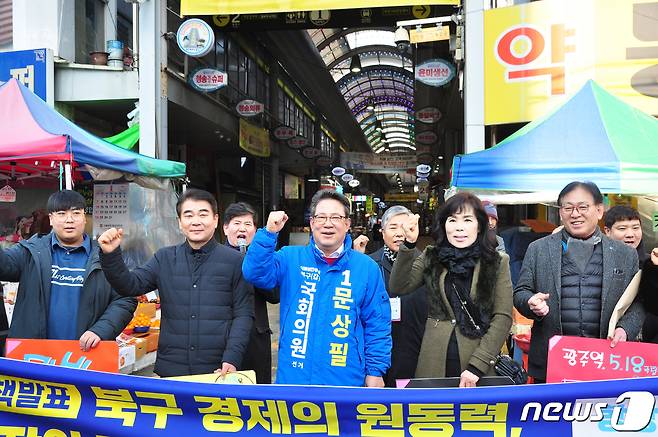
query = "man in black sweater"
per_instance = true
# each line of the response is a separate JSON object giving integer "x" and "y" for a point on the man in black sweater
{"x": 240, "y": 221}
{"x": 207, "y": 307}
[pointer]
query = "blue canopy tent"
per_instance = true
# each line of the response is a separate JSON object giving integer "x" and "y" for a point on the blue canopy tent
{"x": 593, "y": 136}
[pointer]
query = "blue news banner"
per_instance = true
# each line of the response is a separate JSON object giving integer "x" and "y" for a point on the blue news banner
{"x": 47, "y": 401}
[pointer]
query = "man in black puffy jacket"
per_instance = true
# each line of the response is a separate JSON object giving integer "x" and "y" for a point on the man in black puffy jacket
{"x": 207, "y": 307}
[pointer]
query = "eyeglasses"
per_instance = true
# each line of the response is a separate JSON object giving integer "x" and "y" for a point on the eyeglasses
{"x": 76, "y": 215}
{"x": 335, "y": 219}
{"x": 582, "y": 209}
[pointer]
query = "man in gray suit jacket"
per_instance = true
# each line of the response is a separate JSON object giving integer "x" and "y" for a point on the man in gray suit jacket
{"x": 571, "y": 281}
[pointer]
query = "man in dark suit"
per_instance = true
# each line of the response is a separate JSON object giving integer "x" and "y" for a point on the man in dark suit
{"x": 240, "y": 220}
{"x": 408, "y": 326}
{"x": 571, "y": 281}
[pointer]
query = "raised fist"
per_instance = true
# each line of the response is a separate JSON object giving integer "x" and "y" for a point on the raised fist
{"x": 359, "y": 244}
{"x": 276, "y": 221}
{"x": 110, "y": 240}
{"x": 410, "y": 227}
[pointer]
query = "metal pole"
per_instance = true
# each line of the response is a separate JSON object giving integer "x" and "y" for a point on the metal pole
{"x": 136, "y": 35}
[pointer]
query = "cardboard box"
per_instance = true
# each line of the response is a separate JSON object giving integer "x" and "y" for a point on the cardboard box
{"x": 146, "y": 308}
{"x": 126, "y": 356}
{"x": 152, "y": 341}
{"x": 140, "y": 347}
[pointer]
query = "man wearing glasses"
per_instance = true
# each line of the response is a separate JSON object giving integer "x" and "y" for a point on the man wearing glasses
{"x": 571, "y": 281}
{"x": 63, "y": 294}
{"x": 335, "y": 313}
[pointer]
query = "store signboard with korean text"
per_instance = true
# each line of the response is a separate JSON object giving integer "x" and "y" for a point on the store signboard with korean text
{"x": 538, "y": 54}
{"x": 377, "y": 163}
{"x": 428, "y": 115}
{"x": 208, "y": 79}
{"x": 254, "y": 139}
{"x": 249, "y": 108}
{"x": 435, "y": 72}
{"x": 284, "y": 133}
{"x": 33, "y": 68}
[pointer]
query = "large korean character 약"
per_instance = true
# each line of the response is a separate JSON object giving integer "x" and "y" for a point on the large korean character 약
{"x": 376, "y": 421}
{"x": 222, "y": 415}
{"x": 309, "y": 412}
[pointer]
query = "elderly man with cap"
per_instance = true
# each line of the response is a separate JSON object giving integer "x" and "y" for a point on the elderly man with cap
{"x": 492, "y": 213}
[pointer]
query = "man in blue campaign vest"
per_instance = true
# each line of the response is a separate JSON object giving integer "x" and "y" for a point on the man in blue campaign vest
{"x": 335, "y": 313}
{"x": 63, "y": 293}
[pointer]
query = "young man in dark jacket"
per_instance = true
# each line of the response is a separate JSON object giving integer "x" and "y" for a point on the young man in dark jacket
{"x": 63, "y": 293}
{"x": 207, "y": 307}
{"x": 240, "y": 227}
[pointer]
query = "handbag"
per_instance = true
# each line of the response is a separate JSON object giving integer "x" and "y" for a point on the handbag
{"x": 506, "y": 366}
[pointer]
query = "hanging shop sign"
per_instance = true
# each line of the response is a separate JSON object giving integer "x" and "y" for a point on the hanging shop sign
{"x": 423, "y": 168}
{"x": 33, "y": 68}
{"x": 208, "y": 80}
{"x": 195, "y": 37}
{"x": 254, "y": 139}
{"x": 284, "y": 133}
{"x": 429, "y": 34}
{"x": 311, "y": 152}
{"x": 354, "y": 183}
{"x": 376, "y": 200}
{"x": 7, "y": 194}
{"x": 297, "y": 142}
{"x": 435, "y": 72}
{"x": 338, "y": 171}
{"x": 427, "y": 137}
{"x": 249, "y": 108}
{"x": 377, "y": 163}
{"x": 347, "y": 177}
{"x": 269, "y": 7}
{"x": 538, "y": 54}
{"x": 324, "y": 161}
{"x": 400, "y": 197}
{"x": 428, "y": 115}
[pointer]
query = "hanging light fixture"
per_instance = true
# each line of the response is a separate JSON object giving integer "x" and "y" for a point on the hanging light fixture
{"x": 355, "y": 64}
{"x": 370, "y": 106}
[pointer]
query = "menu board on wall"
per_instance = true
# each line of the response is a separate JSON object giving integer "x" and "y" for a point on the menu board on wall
{"x": 110, "y": 207}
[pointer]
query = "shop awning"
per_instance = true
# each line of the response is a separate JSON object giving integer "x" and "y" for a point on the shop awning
{"x": 126, "y": 139}
{"x": 227, "y": 7}
{"x": 594, "y": 136}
